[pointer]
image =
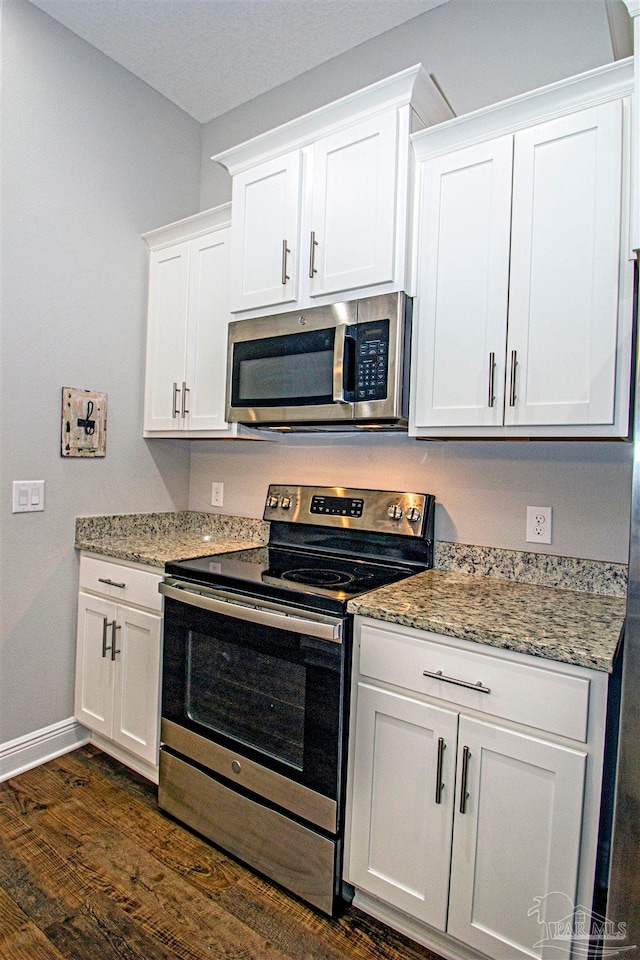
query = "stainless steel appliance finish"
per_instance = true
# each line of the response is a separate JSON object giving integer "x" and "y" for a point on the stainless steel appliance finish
{"x": 256, "y": 670}
{"x": 623, "y": 904}
{"x": 300, "y": 859}
{"x": 343, "y": 366}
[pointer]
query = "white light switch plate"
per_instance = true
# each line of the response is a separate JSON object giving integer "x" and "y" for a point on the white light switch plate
{"x": 28, "y": 496}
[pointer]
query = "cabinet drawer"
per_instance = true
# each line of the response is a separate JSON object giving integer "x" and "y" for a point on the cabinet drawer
{"x": 119, "y": 582}
{"x": 547, "y": 699}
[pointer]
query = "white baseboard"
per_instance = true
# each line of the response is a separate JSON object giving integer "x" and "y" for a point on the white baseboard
{"x": 24, "y": 753}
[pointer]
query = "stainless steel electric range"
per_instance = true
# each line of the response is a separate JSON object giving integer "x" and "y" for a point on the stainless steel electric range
{"x": 256, "y": 671}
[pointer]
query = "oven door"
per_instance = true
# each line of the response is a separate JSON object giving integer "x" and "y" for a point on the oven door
{"x": 292, "y": 368}
{"x": 257, "y": 695}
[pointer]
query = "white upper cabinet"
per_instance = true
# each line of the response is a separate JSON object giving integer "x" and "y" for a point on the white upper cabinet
{"x": 464, "y": 286}
{"x": 187, "y": 328}
{"x": 522, "y": 322}
{"x": 565, "y": 259}
{"x": 352, "y": 228}
{"x": 267, "y": 202}
{"x": 320, "y": 204}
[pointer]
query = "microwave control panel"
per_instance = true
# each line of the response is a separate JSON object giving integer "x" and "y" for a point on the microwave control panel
{"x": 372, "y": 360}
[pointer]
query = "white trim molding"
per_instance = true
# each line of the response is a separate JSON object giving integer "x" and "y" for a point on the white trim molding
{"x": 24, "y": 753}
{"x": 633, "y": 6}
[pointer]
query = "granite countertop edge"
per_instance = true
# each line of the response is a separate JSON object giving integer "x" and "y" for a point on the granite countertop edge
{"x": 549, "y": 622}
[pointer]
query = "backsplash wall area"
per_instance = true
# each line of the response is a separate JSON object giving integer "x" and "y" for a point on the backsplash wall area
{"x": 482, "y": 488}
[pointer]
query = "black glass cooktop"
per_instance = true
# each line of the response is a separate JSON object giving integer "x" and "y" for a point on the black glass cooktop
{"x": 298, "y": 576}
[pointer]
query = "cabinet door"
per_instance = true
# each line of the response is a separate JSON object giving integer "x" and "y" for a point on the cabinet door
{"x": 137, "y": 682}
{"x": 463, "y": 287}
{"x": 517, "y": 841}
{"x": 94, "y": 674}
{"x": 563, "y": 305}
{"x": 265, "y": 229}
{"x": 400, "y": 832}
{"x": 166, "y": 337}
{"x": 208, "y": 320}
{"x": 353, "y": 207}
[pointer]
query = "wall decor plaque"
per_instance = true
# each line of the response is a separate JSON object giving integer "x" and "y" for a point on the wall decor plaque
{"x": 84, "y": 423}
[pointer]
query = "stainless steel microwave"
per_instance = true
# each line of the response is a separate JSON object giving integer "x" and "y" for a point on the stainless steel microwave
{"x": 335, "y": 367}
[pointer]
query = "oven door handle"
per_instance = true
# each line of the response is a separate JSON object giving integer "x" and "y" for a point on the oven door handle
{"x": 312, "y": 625}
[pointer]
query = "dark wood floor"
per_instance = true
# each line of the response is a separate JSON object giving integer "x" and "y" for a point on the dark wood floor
{"x": 90, "y": 869}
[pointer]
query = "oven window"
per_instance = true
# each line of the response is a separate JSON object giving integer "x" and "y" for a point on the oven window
{"x": 272, "y": 695}
{"x": 246, "y": 695}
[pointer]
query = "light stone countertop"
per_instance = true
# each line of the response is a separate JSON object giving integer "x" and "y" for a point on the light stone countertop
{"x": 557, "y": 624}
{"x": 571, "y": 626}
{"x": 156, "y": 538}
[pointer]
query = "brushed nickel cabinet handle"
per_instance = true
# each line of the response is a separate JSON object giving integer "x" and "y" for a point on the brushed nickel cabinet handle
{"x": 185, "y": 391}
{"x": 174, "y": 404}
{"x": 111, "y": 583}
{"x": 438, "y": 675}
{"x": 114, "y": 626}
{"x": 285, "y": 251}
{"x": 492, "y": 373}
{"x": 439, "y": 784}
{"x": 464, "y": 794}
{"x": 312, "y": 255}
{"x": 105, "y": 624}
{"x": 512, "y": 379}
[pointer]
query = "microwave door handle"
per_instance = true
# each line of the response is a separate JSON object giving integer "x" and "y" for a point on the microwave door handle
{"x": 339, "y": 358}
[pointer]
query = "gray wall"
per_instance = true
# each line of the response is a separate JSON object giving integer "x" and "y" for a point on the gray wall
{"x": 482, "y": 489}
{"x": 92, "y": 157}
{"x": 480, "y": 51}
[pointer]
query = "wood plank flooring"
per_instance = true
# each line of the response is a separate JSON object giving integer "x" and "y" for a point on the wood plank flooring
{"x": 90, "y": 869}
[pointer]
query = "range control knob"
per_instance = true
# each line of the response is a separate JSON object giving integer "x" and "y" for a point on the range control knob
{"x": 285, "y": 503}
{"x": 272, "y": 502}
{"x": 413, "y": 514}
{"x": 394, "y": 512}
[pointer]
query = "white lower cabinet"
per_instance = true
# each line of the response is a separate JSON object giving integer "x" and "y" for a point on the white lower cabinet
{"x": 461, "y": 822}
{"x": 117, "y": 692}
{"x": 401, "y": 831}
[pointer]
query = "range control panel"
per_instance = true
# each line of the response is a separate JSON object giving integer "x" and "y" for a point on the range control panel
{"x": 337, "y": 506}
{"x": 381, "y": 511}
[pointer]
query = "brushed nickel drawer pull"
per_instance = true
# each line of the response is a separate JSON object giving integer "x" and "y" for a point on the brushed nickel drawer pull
{"x": 438, "y": 675}
{"x": 114, "y": 626}
{"x": 439, "y": 784}
{"x": 285, "y": 251}
{"x": 512, "y": 381}
{"x": 312, "y": 255}
{"x": 111, "y": 583}
{"x": 492, "y": 372}
{"x": 185, "y": 391}
{"x": 464, "y": 794}
{"x": 174, "y": 403}
{"x": 105, "y": 624}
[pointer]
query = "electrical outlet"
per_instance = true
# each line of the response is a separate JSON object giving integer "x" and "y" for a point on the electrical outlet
{"x": 539, "y": 524}
{"x": 217, "y": 494}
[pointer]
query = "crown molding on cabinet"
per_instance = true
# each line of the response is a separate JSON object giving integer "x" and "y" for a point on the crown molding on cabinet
{"x": 189, "y": 227}
{"x": 411, "y": 86}
{"x": 575, "y": 93}
{"x": 633, "y": 6}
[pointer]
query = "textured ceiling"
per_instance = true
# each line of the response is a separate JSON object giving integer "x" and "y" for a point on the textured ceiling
{"x": 209, "y": 56}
